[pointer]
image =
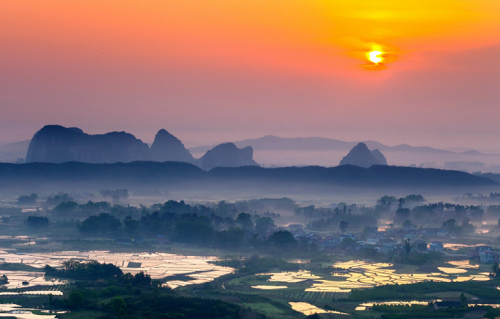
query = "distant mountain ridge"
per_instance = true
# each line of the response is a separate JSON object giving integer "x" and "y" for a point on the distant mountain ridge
{"x": 275, "y": 143}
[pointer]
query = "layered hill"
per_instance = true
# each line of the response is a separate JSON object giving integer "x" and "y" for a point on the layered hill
{"x": 227, "y": 155}
{"x": 289, "y": 151}
{"x": 139, "y": 174}
{"x": 58, "y": 144}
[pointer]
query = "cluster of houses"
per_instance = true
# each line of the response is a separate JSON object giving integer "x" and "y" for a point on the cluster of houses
{"x": 382, "y": 241}
{"x": 484, "y": 254}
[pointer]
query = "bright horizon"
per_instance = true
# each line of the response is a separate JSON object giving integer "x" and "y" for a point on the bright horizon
{"x": 227, "y": 71}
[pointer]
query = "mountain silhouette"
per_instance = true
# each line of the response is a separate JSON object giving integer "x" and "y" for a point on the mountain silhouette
{"x": 167, "y": 147}
{"x": 58, "y": 144}
{"x": 361, "y": 156}
{"x": 227, "y": 155}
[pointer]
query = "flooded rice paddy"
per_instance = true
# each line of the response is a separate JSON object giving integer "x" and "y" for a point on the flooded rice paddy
{"x": 16, "y": 311}
{"x": 456, "y": 246}
{"x": 359, "y": 274}
{"x": 157, "y": 265}
{"x": 308, "y": 309}
{"x": 266, "y": 287}
{"x": 463, "y": 264}
{"x": 27, "y": 279}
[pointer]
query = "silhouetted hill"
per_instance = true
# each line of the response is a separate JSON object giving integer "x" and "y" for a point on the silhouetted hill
{"x": 350, "y": 175}
{"x": 58, "y": 144}
{"x": 167, "y": 147}
{"x": 360, "y": 155}
{"x": 379, "y": 157}
{"x": 492, "y": 176}
{"x": 226, "y": 155}
{"x": 174, "y": 173}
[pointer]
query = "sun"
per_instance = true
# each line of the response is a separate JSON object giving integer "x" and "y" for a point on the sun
{"x": 375, "y": 56}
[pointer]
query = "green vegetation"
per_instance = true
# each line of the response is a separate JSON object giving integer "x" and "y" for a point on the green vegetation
{"x": 37, "y": 222}
{"x": 418, "y": 291}
{"x": 85, "y": 271}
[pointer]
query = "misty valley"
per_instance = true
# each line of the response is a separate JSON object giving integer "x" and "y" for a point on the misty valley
{"x": 118, "y": 253}
{"x": 106, "y": 226}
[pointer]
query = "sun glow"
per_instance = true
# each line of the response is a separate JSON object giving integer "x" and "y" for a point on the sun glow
{"x": 375, "y": 56}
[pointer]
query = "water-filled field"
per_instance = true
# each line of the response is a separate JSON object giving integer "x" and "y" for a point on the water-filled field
{"x": 157, "y": 265}
{"x": 359, "y": 274}
{"x": 308, "y": 309}
{"x": 16, "y": 311}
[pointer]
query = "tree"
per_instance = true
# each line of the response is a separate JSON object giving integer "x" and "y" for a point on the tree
{"x": 283, "y": 239}
{"x": 245, "y": 221}
{"x": 346, "y": 242}
{"x": 401, "y": 202}
{"x": 230, "y": 238}
{"x": 422, "y": 246}
{"x": 496, "y": 269}
{"x": 449, "y": 224}
{"x": 407, "y": 246}
{"x": 26, "y": 200}
{"x": 101, "y": 224}
{"x": 415, "y": 198}
{"x": 463, "y": 300}
{"x": 76, "y": 299}
{"x": 65, "y": 208}
{"x": 343, "y": 226}
{"x": 131, "y": 226}
{"x": 263, "y": 224}
{"x": 194, "y": 229}
{"x": 37, "y": 222}
{"x": 401, "y": 215}
{"x": 118, "y": 304}
{"x": 467, "y": 226}
{"x": 4, "y": 280}
{"x": 57, "y": 199}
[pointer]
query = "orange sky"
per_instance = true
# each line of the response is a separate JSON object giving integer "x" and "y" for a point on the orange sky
{"x": 222, "y": 70}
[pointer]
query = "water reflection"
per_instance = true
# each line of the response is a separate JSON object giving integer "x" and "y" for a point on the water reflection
{"x": 308, "y": 309}
{"x": 157, "y": 265}
{"x": 360, "y": 274}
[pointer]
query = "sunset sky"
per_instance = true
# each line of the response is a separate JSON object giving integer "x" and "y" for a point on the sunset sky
{"x": 219, "y": 70}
